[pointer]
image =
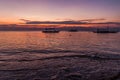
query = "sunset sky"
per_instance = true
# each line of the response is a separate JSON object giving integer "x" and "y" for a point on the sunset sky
{"x": 18, "y": 11}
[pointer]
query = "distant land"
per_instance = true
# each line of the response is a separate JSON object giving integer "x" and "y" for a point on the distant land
{"x": 15, "y": 27}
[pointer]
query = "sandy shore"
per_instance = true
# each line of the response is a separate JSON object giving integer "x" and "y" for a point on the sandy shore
{"x": 62, "y": 66}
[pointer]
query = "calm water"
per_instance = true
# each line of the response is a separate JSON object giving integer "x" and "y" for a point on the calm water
{"x": 19, "y": 42}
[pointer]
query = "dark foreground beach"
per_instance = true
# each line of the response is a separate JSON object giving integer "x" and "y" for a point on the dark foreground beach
{"x": 60, "y": 66}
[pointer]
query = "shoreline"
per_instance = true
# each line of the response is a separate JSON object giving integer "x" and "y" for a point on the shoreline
{"x": 64, "y": 66}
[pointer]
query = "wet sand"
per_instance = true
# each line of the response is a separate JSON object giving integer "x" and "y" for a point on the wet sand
{"x": 60, "y": 66}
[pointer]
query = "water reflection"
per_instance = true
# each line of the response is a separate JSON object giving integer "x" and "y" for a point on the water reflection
{"x": 20, "y": 41}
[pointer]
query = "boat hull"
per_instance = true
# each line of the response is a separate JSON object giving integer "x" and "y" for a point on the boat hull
{"x": 105, "y": 31}
{"x": 50, "y": 31}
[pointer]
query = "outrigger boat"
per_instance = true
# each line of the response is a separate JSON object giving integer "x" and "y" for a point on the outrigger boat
{"x": 50, "y": 30}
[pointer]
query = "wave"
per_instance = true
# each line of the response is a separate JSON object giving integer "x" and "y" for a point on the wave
{"x": 47, "y": 51}
{"x": 39, "y": 51}
{"x": 94, "y": 55}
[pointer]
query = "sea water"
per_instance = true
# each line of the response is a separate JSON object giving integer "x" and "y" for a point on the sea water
{"x": 15, "y": 42}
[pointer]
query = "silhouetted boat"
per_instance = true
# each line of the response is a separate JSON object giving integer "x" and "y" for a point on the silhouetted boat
{"x": 50, "y": 30}
{"x": 73, "y": 30}
{"x": 105, "y": 30}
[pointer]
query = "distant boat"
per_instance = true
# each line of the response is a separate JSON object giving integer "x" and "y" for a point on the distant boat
{"x": 73, "y": 30}
{"x": 105, "y": 30}
{"x": 50, "y": 30}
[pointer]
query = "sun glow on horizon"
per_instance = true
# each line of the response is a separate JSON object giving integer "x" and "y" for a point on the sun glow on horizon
{"x": 94, "y": 11}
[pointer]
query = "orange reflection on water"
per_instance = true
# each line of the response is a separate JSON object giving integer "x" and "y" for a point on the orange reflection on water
{"x": 36, "y": 40}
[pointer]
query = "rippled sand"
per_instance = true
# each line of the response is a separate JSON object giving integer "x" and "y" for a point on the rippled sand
{"x": 60, "y": 66}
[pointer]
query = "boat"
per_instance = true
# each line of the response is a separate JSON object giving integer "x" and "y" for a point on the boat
{"x": 73, "y": 30}
{"x": 105, "y": 30}
{"x": 50, "y": 30}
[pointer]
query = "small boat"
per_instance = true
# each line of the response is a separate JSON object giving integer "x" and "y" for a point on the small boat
{"x": 50, "y": 30}
{"x": 73, "y": 30}
{"x": 106, "y": 30}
